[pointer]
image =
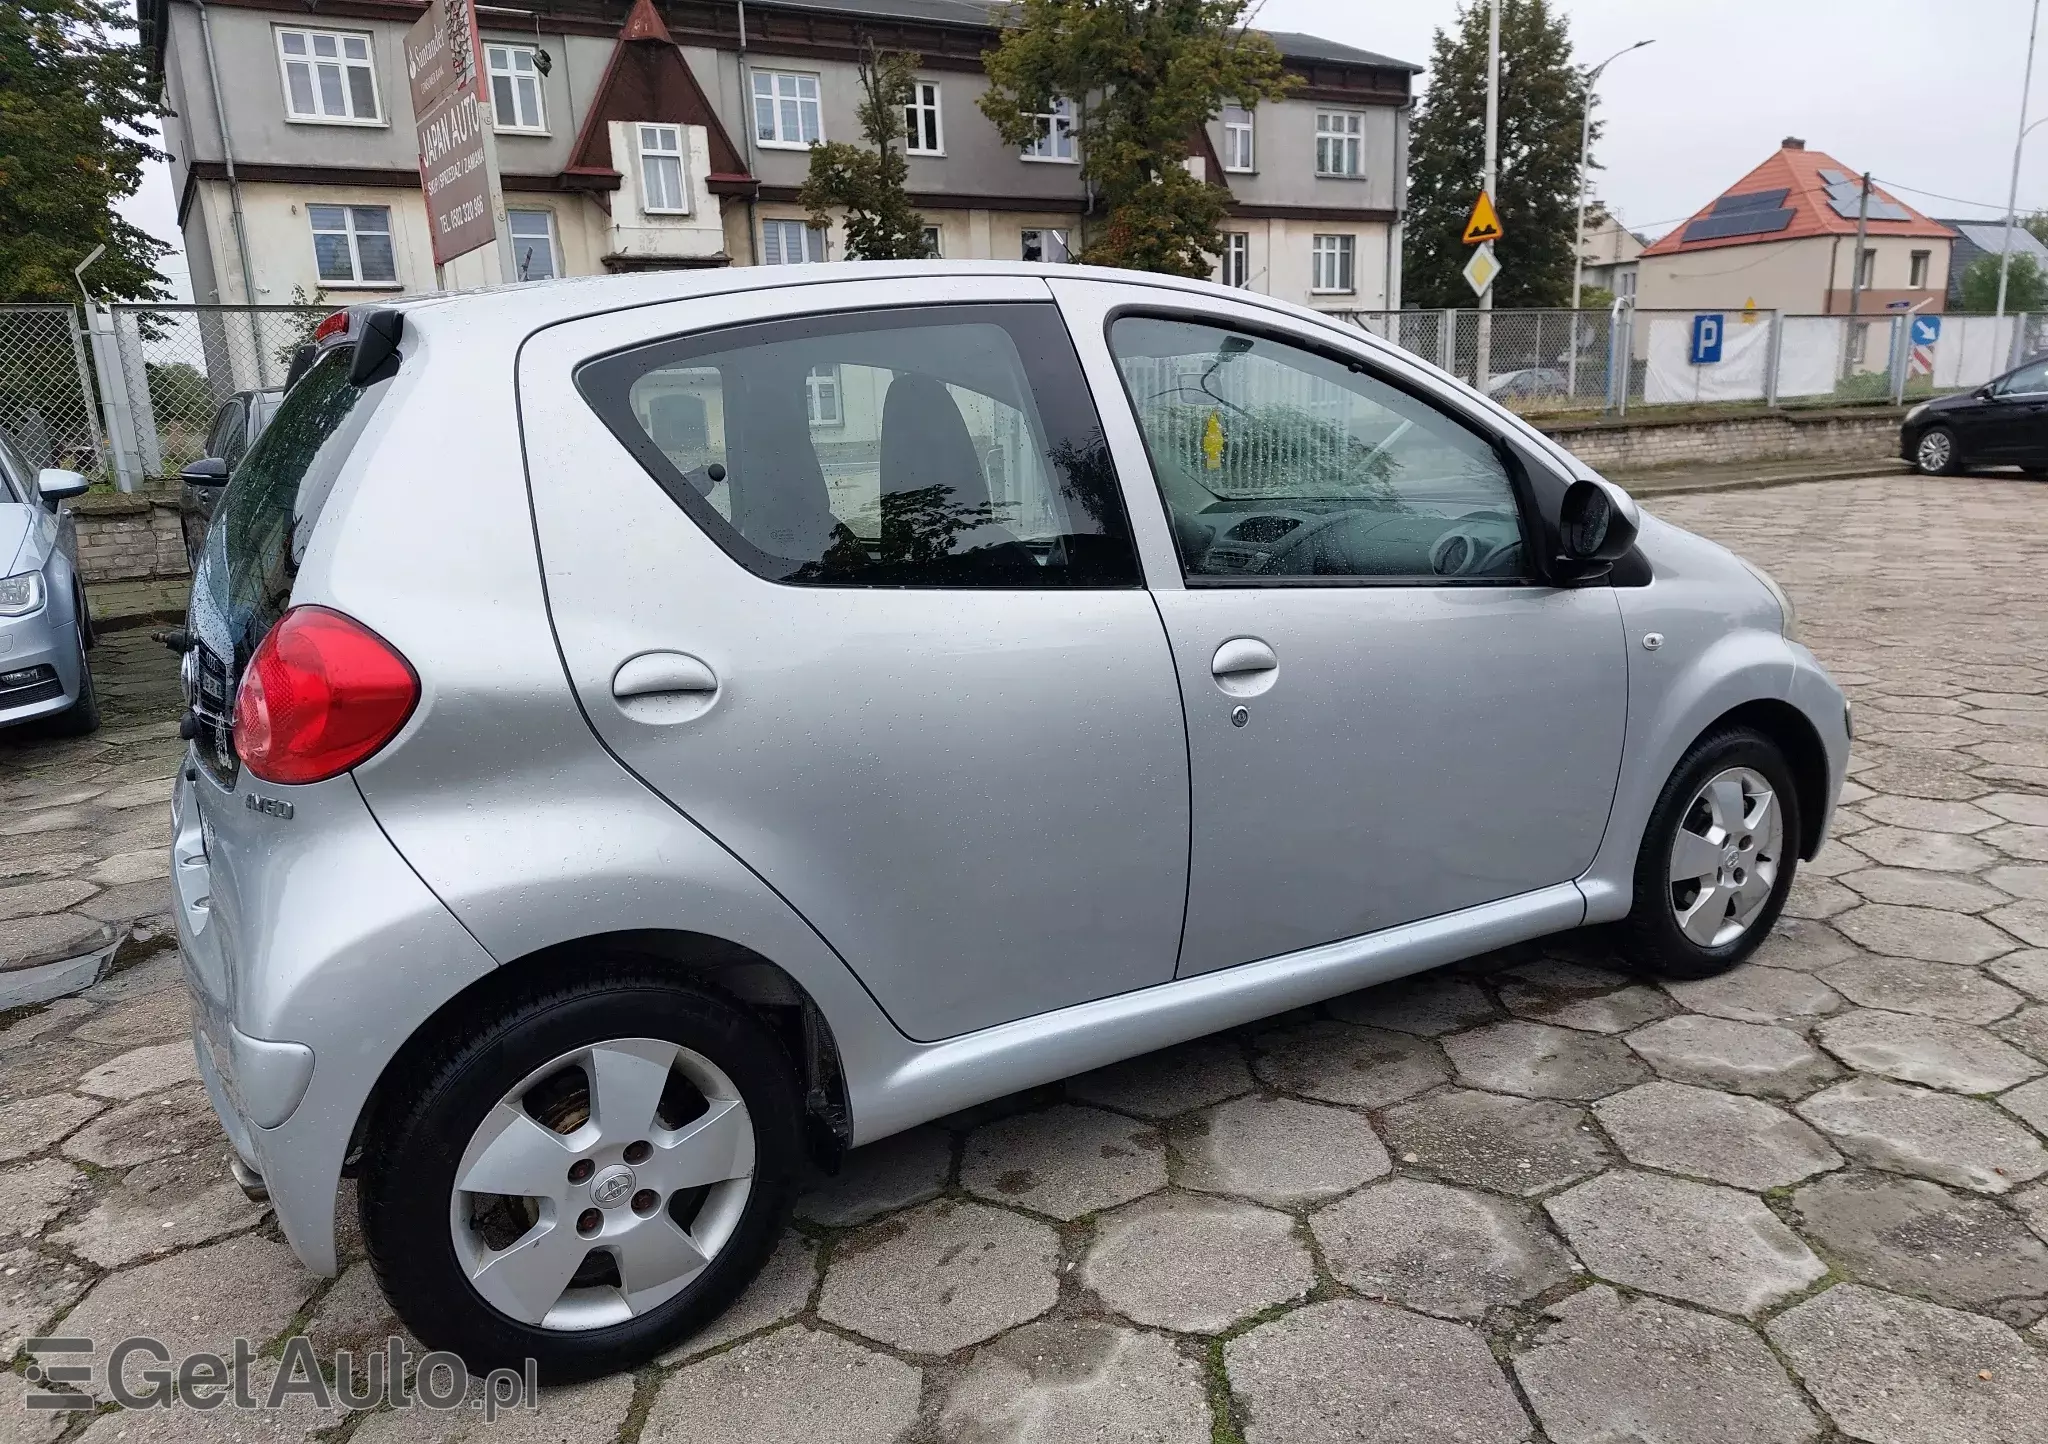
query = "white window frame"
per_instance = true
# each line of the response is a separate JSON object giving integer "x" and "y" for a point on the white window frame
{"x": 494, "y": 51}
{"x": 1055, "y": 135}
{"x": 1866, "y": 269}
{"x": 1236, "y": 268}
{"x": 343, "y": 63}
{"x": 355, "y": 254}
{"x": 924, "y": 104}
{"x": 1340, "y": 134}
{"x": 1240, "y": 140}
{"x": 1919, "y": 266}
{"x": 658, "y": 142}
{"x": 776, "y": 99}
{"x": 780, "y": 227}
{"x": 553, "y": 243}
{"x": 1332, "y": 264}
{"x": 935, "y": 242}
{"x": 820, "y": 384}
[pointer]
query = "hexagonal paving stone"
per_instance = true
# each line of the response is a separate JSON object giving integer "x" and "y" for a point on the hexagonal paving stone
{"x": 1614, "y": 1012}
{"x": 2018, "y": 840}
{"x": 1953, "y": 1140}
{"x": 2026, "y": 1030}
{"x": 1511, "y": 1145}
{"x": 1693, "y": 1241}
{"x": 1197, "y": 1265}
{"x": 141, "y": 1070}
{"x": 1169, "y": 1082}
{"x": 2030, "y": 1102}
{"x": 1755, "y": 994}
{"x": 2026, "y": 970}
{"x": 158, "y": 1017}
{"x": 34, "y": 1289}
{"x": 2027, "y": 921}
{"x": 1345, "y": 1063}
{"x": 595, "y": 1411}
{"x": 1757, "y": 1058}
{"x": 1278, "y": 1150}
{"x": 1932, "y": 1051}
{"x": 777, "y": 1294}
{"x": 1802, "y": 946}
{"x": 1815, "y": 898}
{"x": 1428, "y": 1003}
{"x": 941, "y": 1276}
{"x": 1934, "y": 851}
{"x": 178, "y": 1120}
{"x": 1913, "y": 1237}
{"x": 1078, "y": 1379}
{"x": 1911, "y": 887}
{"x": 1065, "y": 1161}
{"x": 1539, "y": 1061}
{"x": 50, "y": 937}
{"x": 1348, "y": 1370}
{"x": 1893, "y": 1370}
{"x": 2026, "y": 807}
{"x": 1927, "y": 815}
{"x": 161, "y": 1206}
{"x": 1926, "y": 933}
{"x": 792, "y": 1384}
{"x": 879, "y": 1177}
{"x": 34, "y": 1193}
{"x": 1712, "y": 1382}
{"x": 29, "y": 1125}
{"x": 1722, "y": 1136}
{"x": 1443, "y": 1250}
{"x": 1930, "y": 990}
{"x": 2027, "y": 880}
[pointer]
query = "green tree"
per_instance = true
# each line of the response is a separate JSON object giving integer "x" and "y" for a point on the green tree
{"x": 881, "y": 224}
{"x": 2026, "y": 288}
{"x": 1144, "y": 77}
{"x": 1541, "y": 94}
{"x": 178, "y": 389}
{"x": 75, "y": 130}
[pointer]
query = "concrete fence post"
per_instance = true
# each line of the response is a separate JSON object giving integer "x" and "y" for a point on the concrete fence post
{"x": 1447, "y": 341}
{"x": 122, "y": 438}
{"x": 1774, "y": 356}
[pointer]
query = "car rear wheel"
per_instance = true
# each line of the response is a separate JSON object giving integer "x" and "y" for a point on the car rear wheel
{"x": 584, "y": 1179}
{"x": 1717, "y": 858}
{"x": 1936, "y": 453}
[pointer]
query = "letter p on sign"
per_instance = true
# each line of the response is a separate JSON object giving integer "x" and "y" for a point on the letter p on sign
{"x": 1706, "y": 340}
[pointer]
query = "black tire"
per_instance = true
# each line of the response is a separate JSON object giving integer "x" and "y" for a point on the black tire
{"x": 1650, "y": 936}
{"x": 82, "y": 717}
{"x": 437, "y": 1101}
{"x": 1937, "y": 453}
{"x": 2036, "y": 472}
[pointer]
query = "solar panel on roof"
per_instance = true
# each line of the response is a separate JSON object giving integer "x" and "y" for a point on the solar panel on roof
{"x": 1739, "y": 223}
{"x": 1749, "y": 201}
{"x": 1833, "y": 177}
{"x": 1845, "y": 198}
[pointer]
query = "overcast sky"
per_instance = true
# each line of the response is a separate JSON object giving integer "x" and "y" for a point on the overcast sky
{"x": 1922, "y": 93}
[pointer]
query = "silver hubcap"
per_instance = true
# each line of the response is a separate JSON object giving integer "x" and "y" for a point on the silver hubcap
{"x": 1934, "y": 450}
{"x": 602, "y": 1184}
{"x": 1724, "y": 860}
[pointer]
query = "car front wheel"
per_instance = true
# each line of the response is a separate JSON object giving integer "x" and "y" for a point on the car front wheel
{"x": 1936, "y": 453}
{"x": 585, "y": 1178}
{"x": 1717, "y": 858}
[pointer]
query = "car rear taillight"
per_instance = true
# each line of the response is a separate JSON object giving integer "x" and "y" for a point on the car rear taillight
{"x": 321, "y": 695}
{"x": 335, "y": 324}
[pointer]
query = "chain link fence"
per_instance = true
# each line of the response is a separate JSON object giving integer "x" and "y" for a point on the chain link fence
{"x": 47, "y": 406}
{"x": 179, "y": 363}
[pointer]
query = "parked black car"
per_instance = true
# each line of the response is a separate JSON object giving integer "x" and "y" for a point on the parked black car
{"x": 2004, "y": 422}
{"x": 236, "y": 426}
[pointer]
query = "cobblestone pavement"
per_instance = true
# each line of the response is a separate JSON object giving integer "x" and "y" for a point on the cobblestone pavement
{"x": 1524, "y": 1198}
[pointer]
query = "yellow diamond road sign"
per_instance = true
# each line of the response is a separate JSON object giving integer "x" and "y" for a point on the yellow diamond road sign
{"x": 1481, "y": 269}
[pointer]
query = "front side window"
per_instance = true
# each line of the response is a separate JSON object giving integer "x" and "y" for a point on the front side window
{"x": 1340, "y": 140}
{"x": 352, "y": 245}
{"x": 921, "y": 121}
{"x": 1055, "y": 138}
{"x": 2026, "y": 381}
{"x": 945, "y": 446}
{"x": 533, "y": 244}
{"x": 1331, "y": 259}
{"x": 328, "y": 76}
{"x": 515, "y": 89}
{"x": 1276, "y": 461}
{"x": 1237, "y": 258}
{"x": 791, "y": 243}
{"x": 786, "y": 109}
{"x": 1237, "y": 138}
{"x": 661, "y": 170}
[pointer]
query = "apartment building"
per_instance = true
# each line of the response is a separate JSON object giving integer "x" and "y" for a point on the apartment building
{"x": 632, "y": 136}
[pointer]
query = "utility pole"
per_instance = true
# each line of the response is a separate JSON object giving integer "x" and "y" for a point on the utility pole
{"x": 1483, "y": 365}
{"x": 1850, "y": 347}
{"x": 2012, "y": 194}
{"x": 1579, "y": 224}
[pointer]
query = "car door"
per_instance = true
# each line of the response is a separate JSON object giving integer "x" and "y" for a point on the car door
{"x": 2012, "y": 423}
{"x": 1388, "y": 717}
{"x": 842, "y": 571}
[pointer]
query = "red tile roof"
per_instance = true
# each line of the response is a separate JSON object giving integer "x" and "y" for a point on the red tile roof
{"x": 1796, "y": 171}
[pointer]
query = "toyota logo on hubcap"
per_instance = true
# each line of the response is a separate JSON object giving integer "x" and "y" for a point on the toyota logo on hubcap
{"x": 612, "y": 1186}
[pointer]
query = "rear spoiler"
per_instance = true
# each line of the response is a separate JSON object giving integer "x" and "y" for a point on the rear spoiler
{"x": 374, "y": 333}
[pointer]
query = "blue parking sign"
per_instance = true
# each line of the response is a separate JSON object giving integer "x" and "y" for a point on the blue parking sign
{"x": 1706, "y": 340}
{"x": 1926, "y": 330}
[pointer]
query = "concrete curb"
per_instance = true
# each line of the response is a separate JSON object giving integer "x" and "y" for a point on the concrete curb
{"x": 1649, "y": 487}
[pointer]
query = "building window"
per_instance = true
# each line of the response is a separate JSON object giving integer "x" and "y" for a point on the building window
{"x": 533, "y": 244}
{"x": 352, "y": 245}
{"x": 661, "y": 170}
{"x": 790, "y": 243}
{"x": 921, "y": 121}
{"x": 1043, "y": 245}
{"x": 1917, "y": 280}
{"x": 515, "y": 89}
{"x": 1625, "y": 282}
{"x": 821, "y": 396}
{"x": 1237, "y": 259}
{"x": 1340, "y": 134}
{"x": 1055, "y": 138}
{"x": 328, "y": 77}
{"x": 1237, "y": 138}
{"x": 1866, "y": 269}
{"x": 931, "y": 242}
{"x": 1331, "y": 263}
{"x": 786, "y": 109}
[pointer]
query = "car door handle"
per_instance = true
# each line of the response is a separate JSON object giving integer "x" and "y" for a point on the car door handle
{"x": 1244, "y": 667}
{"x": 663, "y": 674}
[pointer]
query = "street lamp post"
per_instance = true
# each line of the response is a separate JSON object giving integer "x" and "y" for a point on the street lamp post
{"x": 2012, "y": 195}
{"x": 1579, "y": 225}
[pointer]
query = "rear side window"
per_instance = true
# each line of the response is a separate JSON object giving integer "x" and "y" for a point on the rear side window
{"x": 945, "y": 446}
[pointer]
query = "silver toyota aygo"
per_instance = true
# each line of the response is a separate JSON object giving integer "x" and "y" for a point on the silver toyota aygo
{"x": 648, "y": 733}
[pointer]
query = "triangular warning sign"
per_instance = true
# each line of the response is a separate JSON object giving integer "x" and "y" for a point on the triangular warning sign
{"x": 1484, "y": 222}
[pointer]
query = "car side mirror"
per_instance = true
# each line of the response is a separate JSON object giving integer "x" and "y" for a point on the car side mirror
{"x": 207, "y": 471}
{"x": 57, "y": 484}
{"x": 1597, "y": 523}
{"x": 1985, "y": 392}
